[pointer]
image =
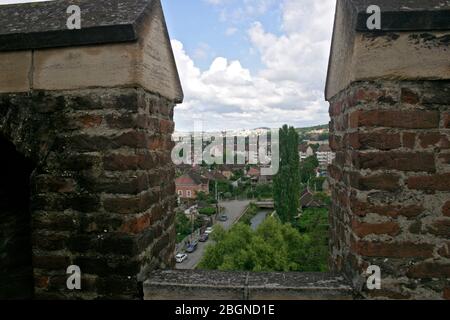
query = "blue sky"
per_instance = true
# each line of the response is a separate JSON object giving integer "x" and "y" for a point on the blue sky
{"x": 209, "y": 30}
{"x": 246, "y": 64}
{"x": 251, "y": 63}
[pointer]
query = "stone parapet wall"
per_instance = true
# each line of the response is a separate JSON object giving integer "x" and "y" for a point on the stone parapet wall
{"x": 223, "y": 285}
{"x": 389, "y": 94}
{"x": 87, "y": 121}
{"x": 90, "y": 112}
{"x": 103, "y": 190}
{"x": 391, "y": 185}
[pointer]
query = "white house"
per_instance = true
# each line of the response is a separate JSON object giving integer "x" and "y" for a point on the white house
{"x": 305, "y": 151}
{"x": 325, "y": 156}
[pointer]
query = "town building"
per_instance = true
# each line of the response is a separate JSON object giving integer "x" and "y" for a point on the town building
{"x": 307, "y": 200}
{"x": 305, "y": 151}
{"x": 254, "y": 173}
{"x": 215, "y": 175}
{"x": 325, "y": 156}
{"x": 190, "y": 184}
{"x": 226, "y": 171}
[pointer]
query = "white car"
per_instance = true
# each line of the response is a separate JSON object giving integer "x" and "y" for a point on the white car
{"x": 181, "y": 257}
{"x": 209, "y": 230}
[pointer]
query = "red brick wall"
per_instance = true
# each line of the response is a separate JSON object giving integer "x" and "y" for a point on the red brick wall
{"x": 194, "y": 189}
{"x": 103, "y": 192}
{"x": 391, "y": 186}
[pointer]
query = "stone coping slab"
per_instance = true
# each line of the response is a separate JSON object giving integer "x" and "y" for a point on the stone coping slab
{"x": 218, "y": 285}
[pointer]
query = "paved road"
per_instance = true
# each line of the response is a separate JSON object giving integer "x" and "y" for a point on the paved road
{"x": 234, "y": 211}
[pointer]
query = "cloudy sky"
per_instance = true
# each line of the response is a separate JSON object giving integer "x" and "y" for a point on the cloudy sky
{"x": 250, "y": 63}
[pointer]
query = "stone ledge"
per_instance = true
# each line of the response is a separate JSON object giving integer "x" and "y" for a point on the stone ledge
{"x": 405, "y": 15}
{"x": 43, "y": 24}
{"x": 217, "y": 285}
{"x": 412, "y": 44}
{"x": 118, "y": 47}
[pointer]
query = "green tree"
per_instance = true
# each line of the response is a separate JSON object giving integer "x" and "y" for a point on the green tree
{"x": 324, "y": 198}
{"x": 313, "y": 219}
{"x": 272, "y": 247}
{"x": 308, "y": 168}
{"x": 208, "y": 211}
{"x": 202, "y": 196}
{"x": 222, "y": 187}
{"x": 237, "y": 175}
{"x": 264, "y": 191}
{"x": 314, "y": 225}
{"x": 286, "y": 186}
{"x": 183, "y": 226}
{"x": 316, "y": 184}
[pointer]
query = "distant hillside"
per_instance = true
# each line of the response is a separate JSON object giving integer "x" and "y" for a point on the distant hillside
{"x": 316, "y": 133}
{"x": 308, "y": 129}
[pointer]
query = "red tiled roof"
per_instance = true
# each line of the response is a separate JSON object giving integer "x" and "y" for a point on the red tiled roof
{"x": 253, "y": 172}
{"x": 191, "y": 178}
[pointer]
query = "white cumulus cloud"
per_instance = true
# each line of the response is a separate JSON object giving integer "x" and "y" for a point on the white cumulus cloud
{"x": 288, "y": 89}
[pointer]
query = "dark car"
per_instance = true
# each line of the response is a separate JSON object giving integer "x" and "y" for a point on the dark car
{"x": 191, "y": 247}
{"x": 204, "y": 238}
{"x": 223, "y": 218}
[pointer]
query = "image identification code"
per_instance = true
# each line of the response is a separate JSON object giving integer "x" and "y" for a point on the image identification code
{"x": 226, "y": 310}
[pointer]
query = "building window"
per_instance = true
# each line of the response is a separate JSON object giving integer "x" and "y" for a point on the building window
{"x": 180, "y": 193}
{"x": 188, "y": 193}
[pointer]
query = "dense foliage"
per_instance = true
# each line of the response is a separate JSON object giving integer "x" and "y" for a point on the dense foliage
{"x": 206, "y": 198}
{"x": 314, "y": 223}
{"x": 316, "y": 184}
{"x": 237, "y": 174}
{"x": 184, "y": 226}
{"x": 323, "y": 198}
{"x": 272, "y": 247}
{"x": 208, "y": 211}
{"x": 307, "y": 168}
{"x": 286, "y": 185}
{"x": 223, "y": 187}
{"x": 260, "y": 191}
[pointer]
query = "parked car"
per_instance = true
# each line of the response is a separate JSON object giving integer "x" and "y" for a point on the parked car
{"x": 204, "y": 237}
{"x": 181, "y": 257}
{"x": 192, "y": 247}
{"x": 223, "y": 218}
{"x": 209, "y": 230}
